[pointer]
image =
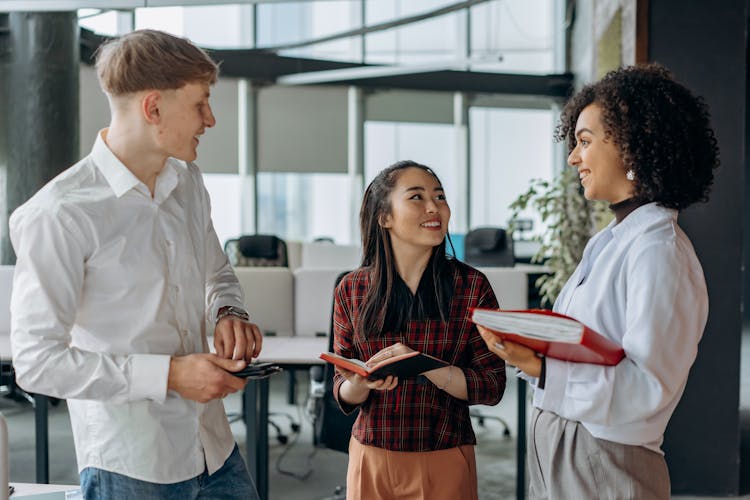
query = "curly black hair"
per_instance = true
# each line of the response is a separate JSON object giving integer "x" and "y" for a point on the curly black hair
{"x": 661, "y": 129}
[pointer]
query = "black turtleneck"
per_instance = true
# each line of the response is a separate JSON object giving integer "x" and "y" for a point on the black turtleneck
{"x": 623, "y": 208}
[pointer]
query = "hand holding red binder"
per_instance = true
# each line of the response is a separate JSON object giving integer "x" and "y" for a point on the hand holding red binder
{"x": 551, "y": 334}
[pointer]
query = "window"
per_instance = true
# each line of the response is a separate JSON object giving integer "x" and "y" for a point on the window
{"x": 303, "y": 207}
{"x": 224, "y": 190}
{"x": 509, "y": 148}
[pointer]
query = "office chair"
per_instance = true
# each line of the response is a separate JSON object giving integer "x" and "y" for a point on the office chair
{"x": 489, "y": 247}
{"x": 9, "y": 387}
{"x": 257, "y": 250}
{"x": 331, "y": 428}
{"x": 261, "y": 250}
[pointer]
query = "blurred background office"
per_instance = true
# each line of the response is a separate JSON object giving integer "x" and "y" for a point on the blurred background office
{"x": 317, "y": 96}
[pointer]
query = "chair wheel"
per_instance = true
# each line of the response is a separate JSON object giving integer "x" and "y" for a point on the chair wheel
{"x": 282, "y": 439}
{"x": 506, "y": 432}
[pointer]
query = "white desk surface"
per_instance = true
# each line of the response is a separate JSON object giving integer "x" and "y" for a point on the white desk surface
{"x": 293, "y": 350}
{"x": 22, "y": 489}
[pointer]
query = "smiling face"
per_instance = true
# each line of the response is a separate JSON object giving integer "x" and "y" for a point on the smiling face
{"x": 597, "y": 159}
{"x": 419, "y": 212}
{"x": 185, "y": 114}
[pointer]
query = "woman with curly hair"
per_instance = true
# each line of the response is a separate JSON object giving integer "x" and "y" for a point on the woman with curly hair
{"x": 413, "y": 437}
{"x": 642, "y": 142}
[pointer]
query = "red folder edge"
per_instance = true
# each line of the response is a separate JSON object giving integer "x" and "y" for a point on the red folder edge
{"x": 592, "y": 347}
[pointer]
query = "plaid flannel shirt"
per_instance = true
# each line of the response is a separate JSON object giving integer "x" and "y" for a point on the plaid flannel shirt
{"x": 416, "y": 415}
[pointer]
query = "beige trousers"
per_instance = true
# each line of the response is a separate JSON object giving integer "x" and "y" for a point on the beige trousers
{"x": 567, "y": 462}
{"x": 375, "y": 474}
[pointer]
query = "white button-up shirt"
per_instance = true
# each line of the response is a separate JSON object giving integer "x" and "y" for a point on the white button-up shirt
{"x": 108, "y": 285}
{"x": 640, "y": 284}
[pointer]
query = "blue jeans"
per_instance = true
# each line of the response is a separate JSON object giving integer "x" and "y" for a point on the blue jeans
{"x": 229, "y": 482}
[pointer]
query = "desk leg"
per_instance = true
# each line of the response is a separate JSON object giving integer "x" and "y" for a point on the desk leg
{"x": 263, "y": 440}
{"x": 256, "y": 424}
{"x": 521, "y": 442}
{"x": 42, "y": 438}
{"x": 291, "y": 386}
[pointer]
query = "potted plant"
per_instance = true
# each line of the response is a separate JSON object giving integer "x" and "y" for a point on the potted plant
{"x": 570, "y": 221}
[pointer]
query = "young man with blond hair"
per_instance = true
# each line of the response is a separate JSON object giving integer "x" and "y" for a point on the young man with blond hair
{"x": 119, "y": 270}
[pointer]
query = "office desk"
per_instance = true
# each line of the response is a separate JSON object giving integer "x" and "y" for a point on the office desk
{"x": 289, "y": 353}
{"x": 25, "y": 489}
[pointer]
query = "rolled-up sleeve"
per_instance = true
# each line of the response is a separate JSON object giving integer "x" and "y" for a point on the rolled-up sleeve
{"x": 47, "y": 285}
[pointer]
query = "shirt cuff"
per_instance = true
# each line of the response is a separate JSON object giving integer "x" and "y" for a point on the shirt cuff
{"x": 553, "y": 394}
{"x": 149, "y": 374}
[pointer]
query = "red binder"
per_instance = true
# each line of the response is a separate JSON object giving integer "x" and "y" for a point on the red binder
{"x": 551, "y": 334}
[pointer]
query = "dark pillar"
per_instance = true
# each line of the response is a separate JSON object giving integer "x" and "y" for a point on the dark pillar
{"x": 704, "y": 44}
{"x": 39, "y": 111}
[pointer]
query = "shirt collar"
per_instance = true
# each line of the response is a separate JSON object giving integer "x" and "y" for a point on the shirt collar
{"x": 117, "y": 175}
{"x": 645, "y": 215}
{"x": 121, "y": 179}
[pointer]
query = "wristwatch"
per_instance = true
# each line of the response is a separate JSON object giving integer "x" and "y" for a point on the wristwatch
{"x": 232, "y": 311}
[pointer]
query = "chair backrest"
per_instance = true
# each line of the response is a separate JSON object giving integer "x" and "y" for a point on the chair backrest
{"x": 488, "y": 246}
{"x": 332, "y": 429}
{"x": 256, "y": 250}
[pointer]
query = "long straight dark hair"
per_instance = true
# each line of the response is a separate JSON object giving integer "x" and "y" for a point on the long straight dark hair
{"x": 383, "y": 309}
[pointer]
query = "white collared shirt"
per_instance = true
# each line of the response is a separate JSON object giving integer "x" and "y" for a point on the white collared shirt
{"x": 640, "y": 284}
{"x": 109, "y": 283}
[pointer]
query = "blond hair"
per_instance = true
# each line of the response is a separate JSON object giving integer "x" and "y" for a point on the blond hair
{"x": 152, "y": 60}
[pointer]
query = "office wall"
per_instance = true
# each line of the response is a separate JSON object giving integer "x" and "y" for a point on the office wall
{"x": 704, "y": 43}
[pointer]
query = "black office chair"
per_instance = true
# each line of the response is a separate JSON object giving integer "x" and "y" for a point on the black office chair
{"x": 257, "y": 250}
{"x": 261, "y": 250}
{"x": 331, "y": 428}
{"x": 8, "y": 385}
{"x": 489, "y": 247}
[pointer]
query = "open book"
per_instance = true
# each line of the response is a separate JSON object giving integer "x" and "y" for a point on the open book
{"x": 552, "y": 334}
{"x": 406, "y": 365}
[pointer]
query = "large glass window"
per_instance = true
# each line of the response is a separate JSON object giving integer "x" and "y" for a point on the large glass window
{"x": 303, "y": 207}
{"x": 429, "y": 144}
{"x": 224, "y": 190}
{"x": 509, "y": 148}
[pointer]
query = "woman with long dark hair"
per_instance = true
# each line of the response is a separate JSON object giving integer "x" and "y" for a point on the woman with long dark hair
{"x": 413, "y": 438}
{"x": 642, "y": 142}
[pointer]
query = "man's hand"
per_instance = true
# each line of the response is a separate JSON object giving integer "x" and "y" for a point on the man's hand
{"x": 518, "y": 355}
{"x": 203, "y": 377}
{"x": 235, "y": 338}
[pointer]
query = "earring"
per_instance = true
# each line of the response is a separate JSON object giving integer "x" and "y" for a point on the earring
{"x": 630, "y": 175}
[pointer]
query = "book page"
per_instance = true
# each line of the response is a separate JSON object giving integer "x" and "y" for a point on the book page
{"x": 531, "y": 325}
